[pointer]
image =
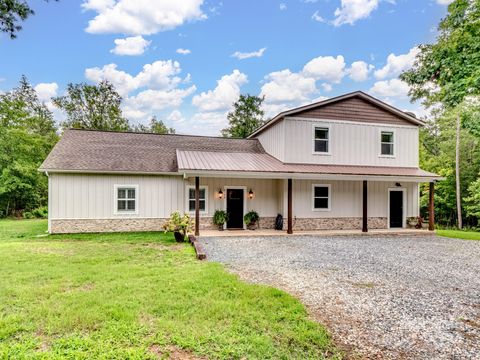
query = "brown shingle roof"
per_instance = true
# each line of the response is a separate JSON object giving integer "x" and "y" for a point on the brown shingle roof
{"x": 265, "y": 163}
{"x": 103, "y": 151}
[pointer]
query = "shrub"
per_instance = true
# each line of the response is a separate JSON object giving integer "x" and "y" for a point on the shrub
{"x": 41, "y": 212}
{"x": 178, "y": 224}
{"x": 251, "y": 217}
{"x": 38, "y": 213}
{"x": 220, "y": 217}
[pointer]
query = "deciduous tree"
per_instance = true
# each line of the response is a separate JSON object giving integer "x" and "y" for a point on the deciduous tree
{"x": 247, "y": 115}
{"x": 446, "y": 72}
{"x": 92, "y": 107}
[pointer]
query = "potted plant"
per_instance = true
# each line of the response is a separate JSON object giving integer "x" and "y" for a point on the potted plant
{"x": 251, "y": 219}
{"x": 412, "y": 221}
{"x": 220, "y": 217}
{"x": 179, "y": 225}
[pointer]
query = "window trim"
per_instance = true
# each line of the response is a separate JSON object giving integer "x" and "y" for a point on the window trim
{"x": 187, "y": 199}
{"x": 322, "y": 126}
{"x": 380, "y": 131}
{"x": 115, "y": 199}
{"x": 329, "y": 186}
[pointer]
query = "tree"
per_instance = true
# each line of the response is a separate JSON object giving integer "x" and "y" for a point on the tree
{"x": 92, "y": 107}
{"x": 27, "y": 134}
{"x": 246, "y": 116}
{"x": 448, "y": 71}
{"x": 11, "y": 13}
{"x": 472, "y": 201}
{"x": 155, "y": 126}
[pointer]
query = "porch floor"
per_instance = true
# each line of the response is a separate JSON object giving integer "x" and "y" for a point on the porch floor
{"x": 269, "y": 232}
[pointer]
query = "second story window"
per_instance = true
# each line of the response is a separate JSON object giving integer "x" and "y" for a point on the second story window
{"x": 387, "y": 143}
{"x": 321, "y": 139}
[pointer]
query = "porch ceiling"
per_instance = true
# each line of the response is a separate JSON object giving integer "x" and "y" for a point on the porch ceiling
{"x": 262, "y": 165}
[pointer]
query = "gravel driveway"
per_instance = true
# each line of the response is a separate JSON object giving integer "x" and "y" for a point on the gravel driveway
{"x": 381, "y": 297}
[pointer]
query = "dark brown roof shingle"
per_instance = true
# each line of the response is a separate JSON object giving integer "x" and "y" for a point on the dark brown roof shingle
{"x": 104, "y": 151}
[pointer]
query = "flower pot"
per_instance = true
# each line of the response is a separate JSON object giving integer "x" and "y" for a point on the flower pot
{"x": 252, "y": 226}
{"x": 179, "y": 236}
{"x": 220, "y": 227}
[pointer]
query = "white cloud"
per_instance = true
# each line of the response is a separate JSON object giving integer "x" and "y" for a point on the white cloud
{"x": 241, "y": 55}
{"x": 317, "y": 17}
{"x": 327, "y": 68}
{"x": 353, "y": 10}
{"x": 224, "y": 95}
{"x": 155, "y": 88}
{"x": 397, "y": 63}
{"x": 390, "y": 88}
{"x": 183, "y": 51}
{"x": 141, "y": 17}
{"x": 160, "y": 74}
{"x": 444, "y": 2}
{"x": 283, "y": 6}
{"x": 327, "y": 87}
{"x": 285, "y": 86}
{"x": 359, "y": 71}
{"x": 176, "y": 117}
{"x": 45, "y": 91}
{"x": 134, "y": 45}
{"x": 155, "y": 100}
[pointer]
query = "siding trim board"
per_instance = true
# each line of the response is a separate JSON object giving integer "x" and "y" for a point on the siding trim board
{"x": 351, "y": 122}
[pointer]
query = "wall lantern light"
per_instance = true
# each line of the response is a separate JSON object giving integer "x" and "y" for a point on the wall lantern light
{"x": 250, "y": 194}
{"x": 220, "y": 194}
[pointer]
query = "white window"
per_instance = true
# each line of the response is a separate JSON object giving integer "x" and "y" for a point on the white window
{"x": 126, "y": 199}
{"x": 387, "y": 143}
{"x": 321, "y": 139}
{"x": 321, "y": 197}
{"x": 203, "y": 199}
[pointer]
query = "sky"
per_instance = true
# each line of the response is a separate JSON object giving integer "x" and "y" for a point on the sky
{"x": 187, "y": 61}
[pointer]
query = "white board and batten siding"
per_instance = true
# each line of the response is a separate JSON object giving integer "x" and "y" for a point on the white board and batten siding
{"x": 273, "y": 140}
{"x": 78, "y": 196}
{"x": 82, "y": 196}
{"x": 346, "y": 198}
{"x": 351, "y": 143}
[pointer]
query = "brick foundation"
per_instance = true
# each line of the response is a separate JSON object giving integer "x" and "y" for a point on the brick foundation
{"x": 135, "y": 224}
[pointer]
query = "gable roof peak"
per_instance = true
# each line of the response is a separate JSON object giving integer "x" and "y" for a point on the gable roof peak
{"x": 409, "y": 117}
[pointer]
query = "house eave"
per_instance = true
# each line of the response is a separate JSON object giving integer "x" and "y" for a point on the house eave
{"x": 107, "y": 172}
{"x": 307, "y": 176}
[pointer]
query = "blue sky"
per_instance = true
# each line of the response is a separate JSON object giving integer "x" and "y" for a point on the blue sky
{"x": 187, "y": 61}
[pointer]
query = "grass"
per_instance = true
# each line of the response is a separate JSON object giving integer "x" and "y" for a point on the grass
{"x": 460, "y": 234}
{"x": 138, "y": 296}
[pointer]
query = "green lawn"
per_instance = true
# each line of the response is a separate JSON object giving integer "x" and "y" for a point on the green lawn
{"x": 140, "y": 296}
{"x": 459, "y": 234}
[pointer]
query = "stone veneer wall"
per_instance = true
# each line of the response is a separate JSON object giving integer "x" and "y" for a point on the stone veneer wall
{"x": 66, "y": 226}
{"x": 206, "y": 223}
{"x": 137, "y": 224}
{"x": 347, "y": 223}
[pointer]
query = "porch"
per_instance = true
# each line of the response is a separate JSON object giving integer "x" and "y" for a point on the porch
{"x": 352, "y": 206}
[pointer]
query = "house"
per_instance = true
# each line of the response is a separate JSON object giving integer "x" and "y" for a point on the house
{"x": 350, "y": 162}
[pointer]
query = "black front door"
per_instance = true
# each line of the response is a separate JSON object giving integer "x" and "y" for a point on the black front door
{"x": 235, "y": 208}
{"x": 396, "y": 209}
